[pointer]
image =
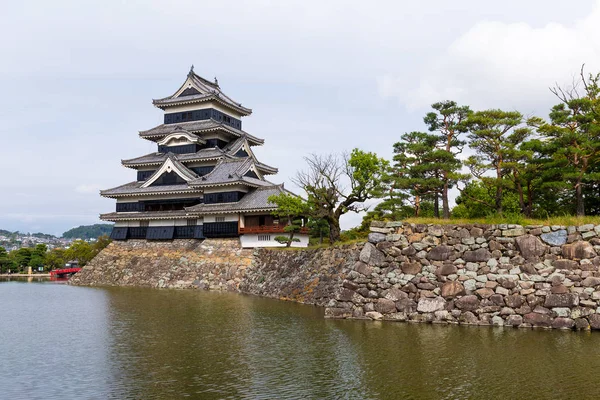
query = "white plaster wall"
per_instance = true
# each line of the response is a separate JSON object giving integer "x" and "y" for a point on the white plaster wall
{"x": 228, "y": 217}
{"x": 251, "y": 240}
{"x": 202, "y": 106}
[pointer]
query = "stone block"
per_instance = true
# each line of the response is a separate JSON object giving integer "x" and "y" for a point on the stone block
{"x": 578, "y": 250}
{"x": 539, "y": 320}
{"x": 530, "y": 246}
{"x": 557, "y": 238}
{"x": 467, "y": 303}
{"x": 375, "y": 237}
{"x": 563, "y": 323}
{"x": 440, "y": 253}
{"x": 428, "y": 305}
{"x": 385, "y": 306}
{"x": 374, "y": 315}
{"x": 518, "y": 231}
{"x": 477, "y": 255}
{"x": 411, "y": 268}
{"x": 561, "y": 300}
{"x": 371, "y": 255}
{"x": 452, "y": 289}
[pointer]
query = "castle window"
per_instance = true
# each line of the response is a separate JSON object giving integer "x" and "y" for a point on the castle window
{"x": 191, "y": 222}
{"x": 144, "y": 224}
{"x": 219, "y": 219}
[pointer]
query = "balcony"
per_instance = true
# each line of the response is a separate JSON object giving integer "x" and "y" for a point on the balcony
{"x": 267, "y": 229}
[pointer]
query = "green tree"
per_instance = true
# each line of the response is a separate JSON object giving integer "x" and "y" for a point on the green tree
{"x": 574, "y": 136}
{"x": 473, "y": 199}
{"x": 21, "y": 257}
{"x": 5, "y": 261}
{"x": 38, "y": 256}
{"x": 291, "y": 208}
{"x": 448, "y": 120}
{"x": 494, "y": 135}
{"x": 55, "y": 259}
{"x": 318, "y": 228}
{"x": 337, "y": 185}
{"x": 418, "y": 167}
{"x": 81, "y": 251}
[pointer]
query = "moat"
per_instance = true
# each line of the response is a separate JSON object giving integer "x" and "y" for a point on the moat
{"x": 63, "y": 342}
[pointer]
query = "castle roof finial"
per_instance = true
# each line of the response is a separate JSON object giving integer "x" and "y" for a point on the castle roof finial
{"x": 216, "y": 81}
{"x": 191, "y": 70}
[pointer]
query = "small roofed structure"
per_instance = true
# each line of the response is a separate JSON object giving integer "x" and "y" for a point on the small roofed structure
{"x": 204, "y": 180}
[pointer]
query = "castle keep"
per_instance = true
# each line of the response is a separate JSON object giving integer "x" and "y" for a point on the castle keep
{"x": 204, "y": 180}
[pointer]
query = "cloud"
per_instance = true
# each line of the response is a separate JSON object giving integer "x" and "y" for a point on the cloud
{"x": 505, "y": 65}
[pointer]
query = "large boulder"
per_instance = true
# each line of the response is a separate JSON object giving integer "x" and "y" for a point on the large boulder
{"x": 467, "y": 303}
{"x": 536, "y": 319}
{"x": 427, "y": 305}
{"x": 385, "y": 306}
{"x": 578, "y": 251}
{"x": 452, "y": 289}
{"x": 565, "y": 264}
{"x": 594, "y": 321}
{"x": 556, "y": 238}
{"x": 371, "y": 255}
{"x": 514, "y": 301}
{"x": 478, "y": 255}
{"x": 440, "y": 253}
{"x": 561, "y": 300}
{"x": 530, "y": 246}
{"x": 411, "y": 268}
{"x": 395, "y": 294}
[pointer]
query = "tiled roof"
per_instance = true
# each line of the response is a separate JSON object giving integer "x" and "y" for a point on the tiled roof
{"x": 116, "y": 216}
{"x": 206, "y": 91}
{"x": 256, "y": 200}
{"x": 159, "y": 158}
{"x": 134, "y": 188}
{"x": 205, "y": 125}
{"x": 228, "y": 172}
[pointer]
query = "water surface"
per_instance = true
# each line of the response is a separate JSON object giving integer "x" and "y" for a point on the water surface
{"x": 64, "y": 342}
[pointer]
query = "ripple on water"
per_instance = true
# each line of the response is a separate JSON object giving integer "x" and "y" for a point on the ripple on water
{"x": 127, "y": 343}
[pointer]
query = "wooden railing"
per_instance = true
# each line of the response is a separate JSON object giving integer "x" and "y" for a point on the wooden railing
{"x": 267, "y": 229}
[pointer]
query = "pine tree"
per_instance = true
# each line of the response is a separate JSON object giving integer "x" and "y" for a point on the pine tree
{"x": 448, "y": 120}
{"x": 494, "y": 135}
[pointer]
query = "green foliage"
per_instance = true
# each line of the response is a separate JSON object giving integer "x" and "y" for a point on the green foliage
{"x": 83, "y": 251}
{"x": 336, "y": 186}
{"x": 473, "y": 199}
{"x": 5, "y": 261}
{"x": 292, "y": 208}
{"x": 88, "y": 231}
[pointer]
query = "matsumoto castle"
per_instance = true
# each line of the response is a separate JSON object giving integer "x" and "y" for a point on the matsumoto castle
{"x": 204, "y": 180}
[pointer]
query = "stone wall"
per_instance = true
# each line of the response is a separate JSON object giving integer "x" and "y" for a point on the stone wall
{"x": 216, "y": 264}
{"x": 506, "y": 275}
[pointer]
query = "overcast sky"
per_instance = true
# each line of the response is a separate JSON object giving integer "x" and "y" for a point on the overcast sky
{"x": 78, "y": 77}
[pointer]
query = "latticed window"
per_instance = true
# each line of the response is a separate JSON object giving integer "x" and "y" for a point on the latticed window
{"x": 219, "y": 219}
{"x": 191, "y": 222}
{"x": 144, "y": 224}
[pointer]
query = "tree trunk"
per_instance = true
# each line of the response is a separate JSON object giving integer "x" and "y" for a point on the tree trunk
{"x": 417, "y": 205}
{"x": 499, "y": 188}
{"x": 445, "y": 205}
{"x": 436, "y": 206}
{"x": 289, "y": 243}
{"x": 521, "y": 198}
{"x": 334, "y": 231}
{"x": 579, "y": 198}
{"x": 529, "y": 210}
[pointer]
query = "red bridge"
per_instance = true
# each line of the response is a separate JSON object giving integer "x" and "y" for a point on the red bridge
{"x": 64, "y": 271}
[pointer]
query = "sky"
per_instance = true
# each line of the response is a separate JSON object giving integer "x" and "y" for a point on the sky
{"x": 77, "y": 79}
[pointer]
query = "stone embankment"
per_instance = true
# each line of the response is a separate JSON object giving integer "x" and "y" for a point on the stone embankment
{"x": 505, "y": 275}
{"x": 184, "y": 263}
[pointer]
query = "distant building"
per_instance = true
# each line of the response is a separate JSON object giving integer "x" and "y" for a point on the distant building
{"x": 204, "y": 181}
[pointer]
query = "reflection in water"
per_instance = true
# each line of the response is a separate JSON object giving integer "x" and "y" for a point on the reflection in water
{"x": 62, "y": 342}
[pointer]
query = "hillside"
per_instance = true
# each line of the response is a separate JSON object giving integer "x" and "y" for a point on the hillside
{"x": 88, "y": 231}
